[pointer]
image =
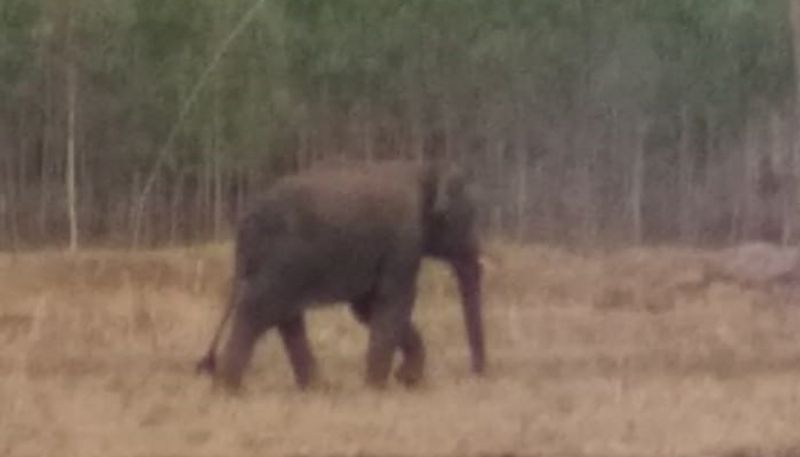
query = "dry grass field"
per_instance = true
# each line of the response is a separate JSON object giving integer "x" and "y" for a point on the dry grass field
{"x": 591, "y": 355}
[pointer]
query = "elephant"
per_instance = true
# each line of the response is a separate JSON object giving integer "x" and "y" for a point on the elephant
{"x": 355, "y": 235}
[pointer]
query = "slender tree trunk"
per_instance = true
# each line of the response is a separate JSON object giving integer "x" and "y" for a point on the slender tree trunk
{"x": 498, "y": 225}
{"x": 795, "y": 20}
{"x": 359, "y": 123}
{"x": 795, "y": 192}
{"x": 13, "y": 185}
{"x": 204, "y": 190}
{"x": 522, "y": 193}
{"x": 133, "y": 212}
{"x": 7, "y": 196}
{"x": 219, "y": 187}
{"x": 747, "y": 191}
{"x": 45, "y": 167}
{"x": 367, "y": 134}
{"x": 303, "y": 151}
{"x": 584, "y": 145}
{"x": 415, "y": 122}
{"x": 637, "y": 181}
{"x": 448, "y": 134}
{"x": 685, "y": 189}
{"x": 521, "y": 159}
{"x": 44, "y": 131}
{"x": 780, "y": 203}
{"x": 71, "y": 90}
{"x": 175, "y": 212}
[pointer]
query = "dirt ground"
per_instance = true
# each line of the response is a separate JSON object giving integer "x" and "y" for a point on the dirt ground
{"x": 590, "y": 355}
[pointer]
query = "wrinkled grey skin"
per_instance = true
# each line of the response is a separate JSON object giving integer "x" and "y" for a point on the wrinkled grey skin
{"x": 354, "y": 235}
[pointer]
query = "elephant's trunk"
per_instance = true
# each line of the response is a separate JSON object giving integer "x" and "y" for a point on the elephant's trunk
{"x": 468, "y": 273}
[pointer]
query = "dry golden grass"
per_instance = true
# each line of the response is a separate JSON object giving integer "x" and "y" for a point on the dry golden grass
{"x": 591, "y": 355}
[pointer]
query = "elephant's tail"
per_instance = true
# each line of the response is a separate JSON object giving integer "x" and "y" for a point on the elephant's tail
{"x": 208, "y": 364}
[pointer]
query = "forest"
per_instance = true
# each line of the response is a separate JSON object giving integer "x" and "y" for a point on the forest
{"x": 584, "y": 122}
{"x": 625, "y": 155}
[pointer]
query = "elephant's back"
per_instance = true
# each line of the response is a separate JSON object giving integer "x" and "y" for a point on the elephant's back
{"x": 384, "y": 196}
{"x": 327, "y": 230}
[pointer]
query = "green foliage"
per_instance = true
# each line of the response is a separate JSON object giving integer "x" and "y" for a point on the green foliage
{"x": 301, "y": 69}
{"x": 18, "y": 29}
{"x": 644, "y": 54}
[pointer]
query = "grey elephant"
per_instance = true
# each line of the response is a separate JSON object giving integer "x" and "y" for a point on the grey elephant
{"x": 355, "y": 235}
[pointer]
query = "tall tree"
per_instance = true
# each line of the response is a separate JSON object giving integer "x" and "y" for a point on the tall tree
{"x": 71, "y": 91}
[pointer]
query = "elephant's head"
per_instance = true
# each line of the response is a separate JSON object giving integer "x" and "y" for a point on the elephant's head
{"x": 451, "y": 235}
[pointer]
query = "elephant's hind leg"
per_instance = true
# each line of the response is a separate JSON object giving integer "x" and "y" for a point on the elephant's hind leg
{"x": 295, "y": 340}
{"x": 250, "y": 320}
{"x": 412, "y": 368}
{"x": 383, "y": 341}
{"x": 238, "y": 350}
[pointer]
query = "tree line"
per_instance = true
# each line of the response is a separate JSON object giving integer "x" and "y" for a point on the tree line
{"x": 151, "y": 122}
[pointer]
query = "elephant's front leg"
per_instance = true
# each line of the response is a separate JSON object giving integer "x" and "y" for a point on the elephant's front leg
{"x": 389, "y": 325}
{"x": 295, "y": 340}
{"x": 412, "y": 368}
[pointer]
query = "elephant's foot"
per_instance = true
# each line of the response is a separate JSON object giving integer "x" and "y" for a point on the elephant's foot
{"x": 409, "y": 373}
{"x": 411, "y": 370}
{"x": 207, "y": 364}
{"x": 227, "y": 386}
{"x": 309, "y": 379}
